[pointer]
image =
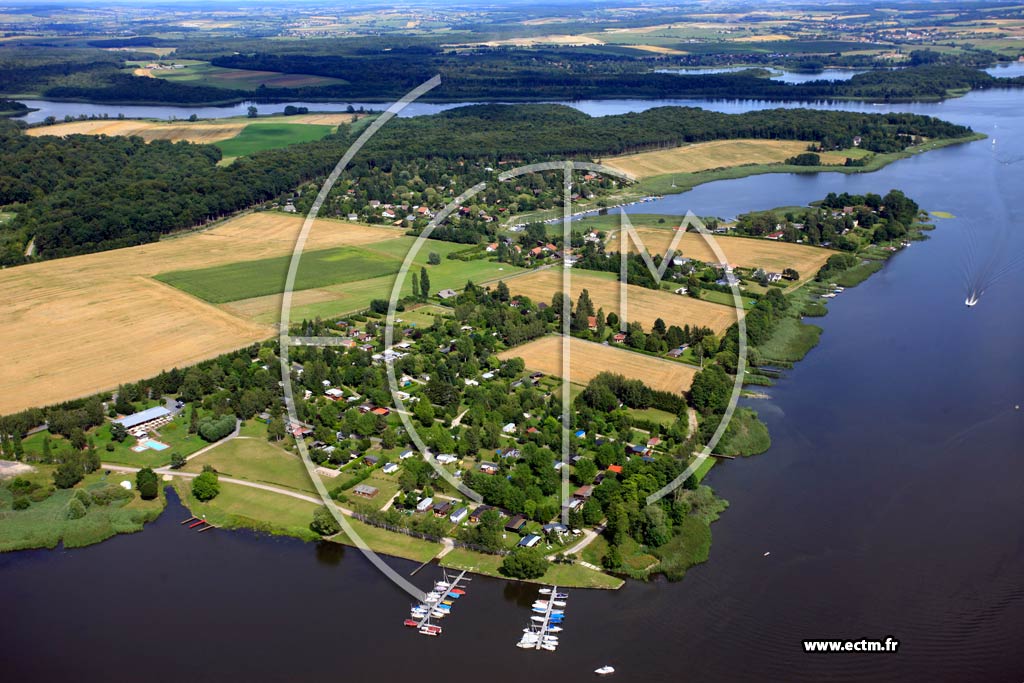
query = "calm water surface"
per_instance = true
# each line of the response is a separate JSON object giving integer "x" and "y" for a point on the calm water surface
{"x": 891, "y": 502}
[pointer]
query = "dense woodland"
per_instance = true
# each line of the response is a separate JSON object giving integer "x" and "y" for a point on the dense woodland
{"x": 85, "y": 193}
{"x": 381, "y": 71}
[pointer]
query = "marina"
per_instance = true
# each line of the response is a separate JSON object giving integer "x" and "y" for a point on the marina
{"x": 546, "y": 621}
{"x": 437, "y": 604}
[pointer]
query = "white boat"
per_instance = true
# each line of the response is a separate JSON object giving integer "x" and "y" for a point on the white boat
{"x": 971, "y": 300}
{"x": 536, "y": 618}
{"x": 549, "y": 647}
{"x": 545, "y": 591}
{"x": 525, "y": 645}
{"x": 553, "y": 629}
{"x": 561, "y": 596}
{"x": 604, "y": 670}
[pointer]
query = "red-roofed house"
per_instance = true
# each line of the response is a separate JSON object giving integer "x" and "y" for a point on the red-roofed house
{"x": 592, "y": 322}
{"x": 617, "y": 469}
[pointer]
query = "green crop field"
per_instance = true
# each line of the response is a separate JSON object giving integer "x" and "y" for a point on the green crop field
{"x": 248, "y": 279}
{"x": 257, "y": 137}
{"x": 204, "y": 73}
{"x": 335, "y": 292}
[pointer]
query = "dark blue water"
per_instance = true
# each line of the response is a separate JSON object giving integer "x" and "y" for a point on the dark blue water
{"x": 891, "y": 501}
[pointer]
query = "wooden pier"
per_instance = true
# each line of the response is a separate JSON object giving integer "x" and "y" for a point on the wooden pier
{"x": 547, "y": 617}
{"x": 432, "y": 604}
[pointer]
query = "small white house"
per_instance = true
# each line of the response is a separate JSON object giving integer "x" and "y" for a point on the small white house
{"x": 390, "y": 468}
{"x": 510, "y": 428}
{"x": 405, "y": 455}
{"x": 459, "y": 515}
{"x": 424, "y": 504}
{"x": 446, "y": 458}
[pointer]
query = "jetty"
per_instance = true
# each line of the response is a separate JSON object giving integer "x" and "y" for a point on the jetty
{"x": 198, "y": 524}
{"x": 549, "y": 611}
{"x": 437, "y": 604}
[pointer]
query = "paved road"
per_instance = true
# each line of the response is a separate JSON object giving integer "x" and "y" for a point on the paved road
{"x": 588, "y": 537}
{"x": 204, "y": 449}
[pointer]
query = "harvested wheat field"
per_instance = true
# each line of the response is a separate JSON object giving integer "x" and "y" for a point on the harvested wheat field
{"x": 643, "y": 305}
{"x": 206, "y": 131}
{"x": 704, "y": 156}
{"x": 659, "y": 49}
{"x": 84, "y": 324}
{"x": 588, "y": 359}
{"x": 746, "y": 252}
{"x": 148, "y": 130}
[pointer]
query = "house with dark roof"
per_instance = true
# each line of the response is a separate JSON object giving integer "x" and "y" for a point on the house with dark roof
{"x": 516, "y": 523}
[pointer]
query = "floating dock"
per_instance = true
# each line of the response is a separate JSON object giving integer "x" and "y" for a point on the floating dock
{"x": 438, "y": 604}
{"x": 539, "y": 633}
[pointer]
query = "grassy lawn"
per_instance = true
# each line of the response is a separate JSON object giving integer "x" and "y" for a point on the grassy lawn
{"x": 45, "y": 524}
{"x": 391, "y": 543}
{"x": 257, "y": 137}
{"x": 257, "y": 429}
{"x": 569, "y": 576}
{"x": 245, "y": 507}
{"x": 594, "y": 553}
{"x": 704, "y": 468}
{"x": 661, "y": 417}
{"x": 387, "y": 484}
{"x": 726, "y": 299}
{"x": 247, "y": 279}
{"x": 422, "y": 316}
{"x": 255, "y": 460}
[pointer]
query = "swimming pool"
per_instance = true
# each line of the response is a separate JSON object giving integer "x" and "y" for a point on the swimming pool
{"x": 155, "y": 445}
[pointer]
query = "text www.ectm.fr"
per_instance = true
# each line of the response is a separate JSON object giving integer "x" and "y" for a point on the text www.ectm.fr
{"x": 862, "y": 645}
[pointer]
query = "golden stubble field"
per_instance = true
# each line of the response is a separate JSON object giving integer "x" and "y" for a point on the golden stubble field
{"x": 206, "y": 131}
{"x": 79, "y": 325}
{"x": 588, "y": 359}
{"x": 746, "y": 252}
{"x": 703, "y": 156}
{"x": 643, "y": 305}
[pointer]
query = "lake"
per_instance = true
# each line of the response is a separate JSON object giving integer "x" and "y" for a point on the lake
{"x": 890, "y": 502}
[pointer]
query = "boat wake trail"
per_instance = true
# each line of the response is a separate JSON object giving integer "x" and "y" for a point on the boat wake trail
{"x": 992, "y": 249}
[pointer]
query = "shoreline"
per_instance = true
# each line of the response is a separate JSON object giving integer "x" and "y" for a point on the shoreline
{"x": 511, "y": 99}
{"x": 666, "y": 184}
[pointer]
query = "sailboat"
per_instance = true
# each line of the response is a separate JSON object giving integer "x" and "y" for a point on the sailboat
{"x": 604, "y": 670}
